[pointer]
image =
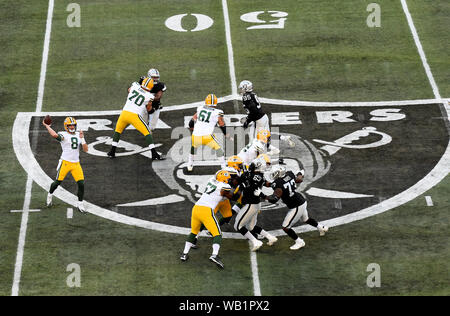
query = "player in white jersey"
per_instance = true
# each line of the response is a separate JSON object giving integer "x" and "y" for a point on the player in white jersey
{"x": 258, "y": 146}
{"x": 203, "y": 123}
{"x": 217, "y": 189}
{"x": 70, "y": 141}
{"x": 135, "y": 112}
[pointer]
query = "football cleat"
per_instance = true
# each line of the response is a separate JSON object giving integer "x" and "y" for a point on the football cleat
{"x": 245, "y": 86}
{"x": 272, "y": 239}
{"x": 184, "y": 257}
{"x": 217, "y": 260}
{"x": 190, "y": 167}
{"x": 70, "y": 124}
{"x": 111, "y": 154}
{"x": 80, "y": 207}
{"x": 299, "y": 243}
{"x": 256, "y": 245}
{"x": 49, "y": 199}
{"x": 322, "y": 229}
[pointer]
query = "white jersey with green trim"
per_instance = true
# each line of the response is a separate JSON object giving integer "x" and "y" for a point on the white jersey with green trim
{"x": 211, "y": 197}
{"x": 207, "y": 118}
{"x": 137, "y": 100}
{"x": 70, "y": 145}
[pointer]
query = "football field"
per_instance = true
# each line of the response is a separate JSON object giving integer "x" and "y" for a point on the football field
{"x": 362, "y": 88}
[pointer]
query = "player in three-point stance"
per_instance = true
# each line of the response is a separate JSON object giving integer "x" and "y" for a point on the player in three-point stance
{"x": 284, "y": 186}
{"x": 137, "y": 106}
{"x": 202, "y": 125}
{"x": 217, "y": 189}
{"x": 255, "y": 112}
{"x": 70, "y": 141}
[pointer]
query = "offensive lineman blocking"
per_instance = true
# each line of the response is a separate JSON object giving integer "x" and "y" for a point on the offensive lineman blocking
{"x": 137, "y": 106}
{"x": 203, "y": 123}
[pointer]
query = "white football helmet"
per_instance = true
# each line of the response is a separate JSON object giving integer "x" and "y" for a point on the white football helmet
{"x": 154, "y": 74}
{"x": 245, "y": 86}
{"x": 277, "y": 171}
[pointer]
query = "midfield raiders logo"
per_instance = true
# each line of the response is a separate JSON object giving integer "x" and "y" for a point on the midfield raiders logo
{"x": 359, "y": 160}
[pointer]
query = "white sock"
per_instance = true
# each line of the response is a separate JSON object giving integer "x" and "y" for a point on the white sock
{"x": 191, "y": 159}
{"x": 250, "y": 237}
{"x": 187, "y": 247}
{"x": 216, "y": 248}
{"x": 114, "y": 144}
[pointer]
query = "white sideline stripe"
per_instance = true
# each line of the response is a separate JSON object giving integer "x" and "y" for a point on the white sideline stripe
{"x": 255, "y": 275}
{"x": 29, "y": 185}
{"x": 22, "y": 235}
{"x": 429, "y": 200}
{"x": 229, "y": 48}
{"x": 69, "y": 212}
{"x": 421, "y": 52}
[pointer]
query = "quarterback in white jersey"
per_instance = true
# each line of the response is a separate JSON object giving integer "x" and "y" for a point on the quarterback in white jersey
{"x": 70, "y": 141}
{"x": 216, "y": 190}
{"x": 203, "y": 123}
{"x": 135, "y": 112}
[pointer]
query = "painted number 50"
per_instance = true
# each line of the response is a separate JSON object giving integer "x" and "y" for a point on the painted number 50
{"x": 252, "y": 17}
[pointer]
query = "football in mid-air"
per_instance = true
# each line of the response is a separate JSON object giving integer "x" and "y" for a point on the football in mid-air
{"x": 47, "y": 120}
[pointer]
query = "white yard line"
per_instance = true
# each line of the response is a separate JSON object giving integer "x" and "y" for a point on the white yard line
{"x": 29, "y": 185}
{"x": 22, "y": 235}
{"x": 229, "y": 48}
{"x": 255, "y": 275}
{"x": 253, "y": 260}
{"x": 421, "y": 52}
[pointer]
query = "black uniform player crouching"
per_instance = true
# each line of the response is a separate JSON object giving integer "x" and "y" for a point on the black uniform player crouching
{"x": 284, "y": 186}
{"x": 248, "y": 208}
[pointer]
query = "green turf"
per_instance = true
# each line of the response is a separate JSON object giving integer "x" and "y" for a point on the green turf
{"x": 21, "y": 38}
{"x": 326, "y": 53}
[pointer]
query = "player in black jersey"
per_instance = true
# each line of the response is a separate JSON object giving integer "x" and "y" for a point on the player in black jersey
{"x": 251, "y": 183}
{"x": 255, "y": 112}
{"x": 284, "y": 186}
{"x": 158, "y": 89}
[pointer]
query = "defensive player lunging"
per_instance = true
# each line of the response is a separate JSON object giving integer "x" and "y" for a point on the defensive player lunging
{"x": 139, "y": 103}
{"x": 217, "y": 189}
{"x": 203, "y": 123}
{"x": 70, "y": 141}
{"x": 284, "y": 186}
